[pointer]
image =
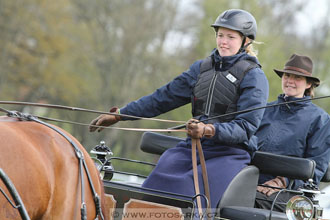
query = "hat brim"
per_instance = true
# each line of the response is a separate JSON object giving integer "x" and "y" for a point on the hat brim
{"x": 280, "y": 74}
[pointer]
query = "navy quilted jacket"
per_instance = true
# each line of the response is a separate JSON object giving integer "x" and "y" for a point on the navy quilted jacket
{"x": 178, "y": 92}
{"x": 299, "y": 129}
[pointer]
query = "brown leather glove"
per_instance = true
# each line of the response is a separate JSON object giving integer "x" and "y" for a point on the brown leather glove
{"x": 105, "y": 120}
{"x": 197, "y": 129}
{"x": 279, "y": 181}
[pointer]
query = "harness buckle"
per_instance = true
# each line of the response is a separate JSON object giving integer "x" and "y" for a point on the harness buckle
{"x": 79, "y": 154}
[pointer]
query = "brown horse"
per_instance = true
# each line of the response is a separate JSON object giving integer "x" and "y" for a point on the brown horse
{"x": 44, "y": 168}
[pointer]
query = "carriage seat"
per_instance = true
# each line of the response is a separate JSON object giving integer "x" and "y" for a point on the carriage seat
{"x": 287, "y": 166}
{"x": 156, "y": 143}
{"x": 245, "y": 182}
{"x": 276, "y": 165}
{"x": 281, "y": 165}
{"x": 268, "y": 163}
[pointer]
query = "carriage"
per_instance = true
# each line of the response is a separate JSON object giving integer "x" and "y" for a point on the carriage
{"x": 129, "y": 200}
{"x": 124, "y": 198}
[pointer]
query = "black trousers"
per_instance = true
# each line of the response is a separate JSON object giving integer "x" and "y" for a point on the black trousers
{"x": 265, "y": 202}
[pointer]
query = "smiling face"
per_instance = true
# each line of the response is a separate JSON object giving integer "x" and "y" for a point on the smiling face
{"x": 228, "y": 41}
{"x": 294, "y": 85}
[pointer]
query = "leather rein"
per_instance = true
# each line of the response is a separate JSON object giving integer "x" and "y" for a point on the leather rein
{"x": 196, "y": 143}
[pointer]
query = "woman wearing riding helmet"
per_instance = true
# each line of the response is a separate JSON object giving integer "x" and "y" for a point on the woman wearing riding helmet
{"x": 229, "y": 80}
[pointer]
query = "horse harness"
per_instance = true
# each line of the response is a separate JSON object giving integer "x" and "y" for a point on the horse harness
{"x": 82, "y": 164}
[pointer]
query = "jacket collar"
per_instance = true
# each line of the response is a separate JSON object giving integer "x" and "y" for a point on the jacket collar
{"x": 283, "y": 98}
{"x": 229, "y": 61}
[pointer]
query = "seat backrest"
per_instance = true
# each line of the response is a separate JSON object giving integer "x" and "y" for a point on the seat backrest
{"x": 326, "y": 177}
{"x": 156, "y": 143}
{"x": 281, "y": 165}
{"x": 241, "y": 191}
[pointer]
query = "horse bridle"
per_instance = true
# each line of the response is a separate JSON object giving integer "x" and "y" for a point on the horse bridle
{"x": 82, "y": 164}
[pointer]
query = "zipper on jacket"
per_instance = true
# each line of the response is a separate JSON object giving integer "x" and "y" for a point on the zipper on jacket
{"x": 210, "y": 92}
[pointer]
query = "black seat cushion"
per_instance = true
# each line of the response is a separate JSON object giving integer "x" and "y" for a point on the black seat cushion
{"x": 281, "y": 165}
{"x": 156, "y": 143}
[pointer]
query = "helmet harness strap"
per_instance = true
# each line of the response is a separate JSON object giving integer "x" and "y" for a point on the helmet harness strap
{"x": 242, "y": 49}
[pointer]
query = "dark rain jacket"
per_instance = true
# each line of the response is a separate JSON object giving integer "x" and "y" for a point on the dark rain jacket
{"x": 253, "y": 93}
{"x": 300, "y": 129}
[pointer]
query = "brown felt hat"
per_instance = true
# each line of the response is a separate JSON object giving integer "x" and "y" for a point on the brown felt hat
{"x": 299, "y": 65}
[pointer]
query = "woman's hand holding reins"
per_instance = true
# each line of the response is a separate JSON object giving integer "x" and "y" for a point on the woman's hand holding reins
{"x": 197, "y": 129}
{"x": 104, "y": 120}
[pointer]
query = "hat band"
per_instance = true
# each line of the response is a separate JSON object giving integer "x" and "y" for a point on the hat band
{"x": 297, "y": 69}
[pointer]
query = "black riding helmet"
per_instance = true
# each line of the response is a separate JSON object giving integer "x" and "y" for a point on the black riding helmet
{"x": 238, "y": 20}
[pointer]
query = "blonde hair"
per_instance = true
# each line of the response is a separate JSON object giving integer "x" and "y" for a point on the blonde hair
{"x": 250, "y": 49}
